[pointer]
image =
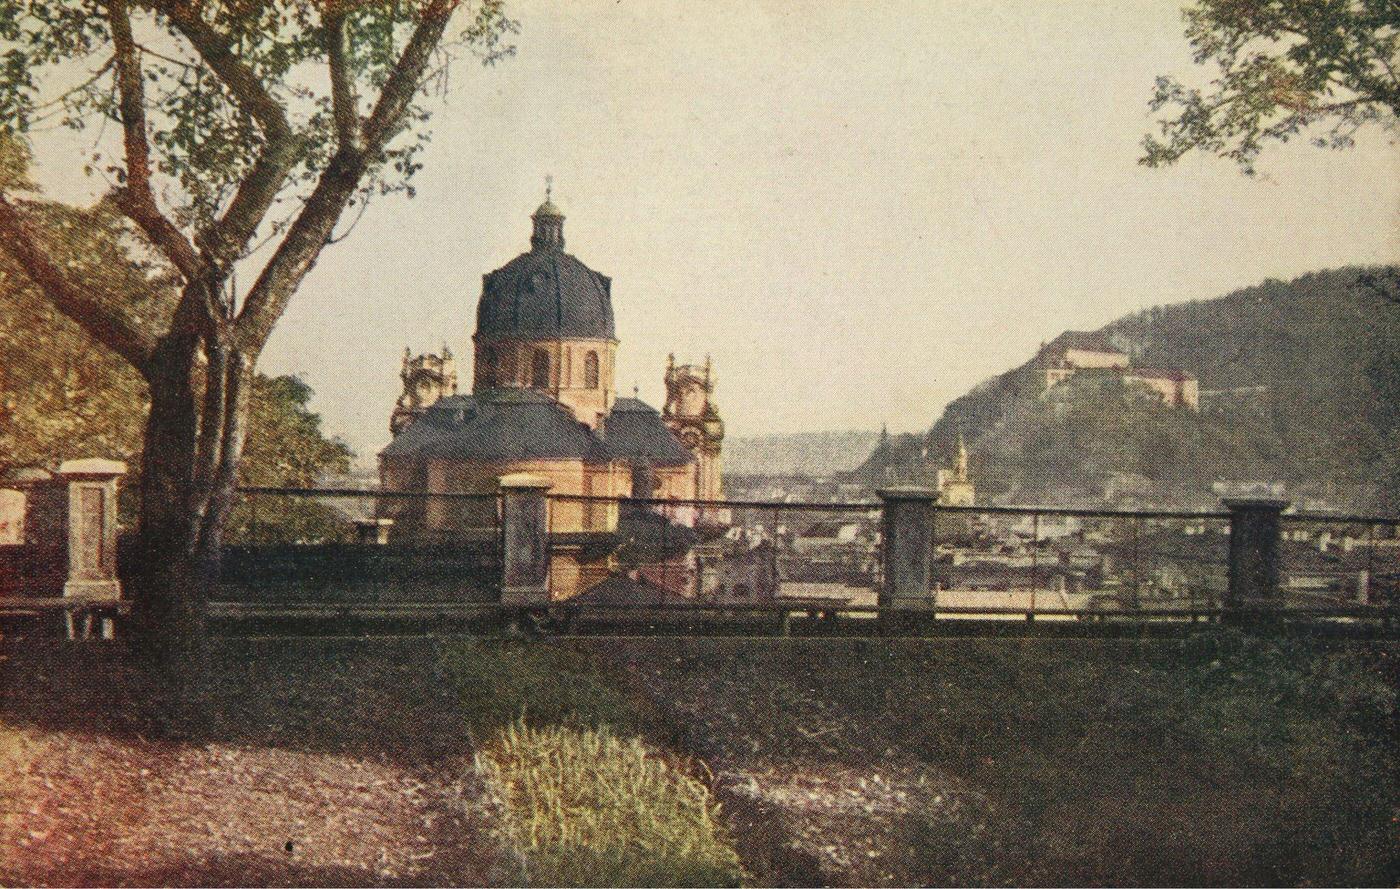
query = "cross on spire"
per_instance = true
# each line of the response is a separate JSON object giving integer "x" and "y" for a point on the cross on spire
{"x": 548, "y": 186}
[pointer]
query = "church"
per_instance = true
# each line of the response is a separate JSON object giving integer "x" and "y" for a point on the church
{"x": 544, "y": 402}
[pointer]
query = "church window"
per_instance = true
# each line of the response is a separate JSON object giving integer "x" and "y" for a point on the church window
{"x": 505, "y": 365}
{"x": 590, "y": 370}
{"x": 539, "y": 370}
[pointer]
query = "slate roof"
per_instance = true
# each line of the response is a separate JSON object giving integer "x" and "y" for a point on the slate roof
{"x": 1081, "y": 340}
{"x": 634, "y": 431}
{"x": 545, "y": 292}
{"x": 499, "y": 425}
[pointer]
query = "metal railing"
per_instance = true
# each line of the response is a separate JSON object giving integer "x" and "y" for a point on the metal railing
{"x": 655, "y": 563}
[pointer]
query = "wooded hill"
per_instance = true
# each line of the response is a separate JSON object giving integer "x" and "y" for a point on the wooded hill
{"x": 1300, "y": 385}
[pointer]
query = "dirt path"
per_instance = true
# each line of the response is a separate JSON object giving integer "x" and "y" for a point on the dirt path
{"x": 325, "y": 764}
{"x": 799, "y": 807}
{"x": 98, "y": 810}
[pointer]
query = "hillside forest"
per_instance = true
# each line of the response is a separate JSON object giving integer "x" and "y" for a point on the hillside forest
{"x": 1300, "y": 388}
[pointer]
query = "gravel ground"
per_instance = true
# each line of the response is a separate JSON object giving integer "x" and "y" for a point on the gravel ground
{"x": 110, "y": 805}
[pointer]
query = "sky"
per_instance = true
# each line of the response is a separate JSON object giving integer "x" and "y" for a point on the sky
{"x": 859, "y": 210}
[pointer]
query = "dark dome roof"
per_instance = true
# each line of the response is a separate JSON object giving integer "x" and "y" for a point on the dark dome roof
{"x": 546, "y": 292}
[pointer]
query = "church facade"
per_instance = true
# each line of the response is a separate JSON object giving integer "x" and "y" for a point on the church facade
{"x": 544, "y": 401}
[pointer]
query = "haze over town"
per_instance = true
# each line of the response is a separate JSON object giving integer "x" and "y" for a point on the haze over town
{"x": 859, "y": 211}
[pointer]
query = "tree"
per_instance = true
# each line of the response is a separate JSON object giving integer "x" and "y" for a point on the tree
{"x": 248, "y": 128}
{"x": 1286, "y": 68}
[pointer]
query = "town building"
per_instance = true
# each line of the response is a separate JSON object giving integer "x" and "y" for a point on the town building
{"x": 544, "y": 402}
{"x": 1076, "y": 351}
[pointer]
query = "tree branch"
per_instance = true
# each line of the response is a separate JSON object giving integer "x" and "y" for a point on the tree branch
{"x": 344, "y": 101}
{"x": 403, "y": 81}
{"x": 297, "y": 253}
{"x": 103, "y": 323}
{"x": 135, "y": 198}
{"x": 223, "y": 243}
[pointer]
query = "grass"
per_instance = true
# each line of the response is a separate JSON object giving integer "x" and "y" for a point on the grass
{"x": 1222, "y": 758}
{"x": 583, "y": 801}
{"x": 584, "y": 807}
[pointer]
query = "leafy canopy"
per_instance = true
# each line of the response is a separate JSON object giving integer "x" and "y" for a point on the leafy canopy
{"x": 58, "y": 66}
{"x": 1322, "y": 68}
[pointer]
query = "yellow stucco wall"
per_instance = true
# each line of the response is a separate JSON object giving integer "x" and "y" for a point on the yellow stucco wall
{"x": 568, "y": 360}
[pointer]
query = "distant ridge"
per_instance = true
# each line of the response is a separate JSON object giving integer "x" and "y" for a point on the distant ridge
{"x": 1300, "y": 384}
{"x": 800, "y": 453}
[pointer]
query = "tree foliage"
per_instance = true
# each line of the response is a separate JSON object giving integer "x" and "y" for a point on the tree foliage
{"x": 64, "y": 396}
{"x": 243, "y": 124}
{"x": 1285, "y": 68}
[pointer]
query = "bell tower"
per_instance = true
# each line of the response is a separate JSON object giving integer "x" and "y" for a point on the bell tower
{"x": 690, "y": 413}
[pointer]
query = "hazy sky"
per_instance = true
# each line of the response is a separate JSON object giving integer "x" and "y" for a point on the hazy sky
{"x": 859, "y": 209}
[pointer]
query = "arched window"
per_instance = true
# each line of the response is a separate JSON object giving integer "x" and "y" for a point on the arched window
{"x": 539, "y": 370}
{"x": 590, "y": 370}
{"x": 505, "y": 366}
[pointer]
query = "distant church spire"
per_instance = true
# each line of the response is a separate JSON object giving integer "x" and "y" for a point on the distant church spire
{"x": 549, "y": 221}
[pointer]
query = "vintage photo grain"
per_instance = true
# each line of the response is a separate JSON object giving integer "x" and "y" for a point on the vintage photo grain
{"x": 665, "y": 443}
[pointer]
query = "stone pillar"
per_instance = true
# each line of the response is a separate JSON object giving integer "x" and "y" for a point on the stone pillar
{"x": 906, "y": 524}
{"x": 92, "y": 527}
{"x": 525, "y": 556}
{"x": 1255, "y": 552}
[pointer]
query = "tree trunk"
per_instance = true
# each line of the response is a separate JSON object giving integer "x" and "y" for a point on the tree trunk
{"x": 199, "y": 388}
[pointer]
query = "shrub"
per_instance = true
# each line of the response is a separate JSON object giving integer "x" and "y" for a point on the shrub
{"x": 587, "y": 808}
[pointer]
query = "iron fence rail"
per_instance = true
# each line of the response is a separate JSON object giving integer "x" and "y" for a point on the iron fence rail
{"x": 1143, "y": 546}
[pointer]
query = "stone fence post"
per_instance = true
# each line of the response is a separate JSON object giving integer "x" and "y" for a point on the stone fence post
{"x": 58, "y": 538}
{"x": 906, "y": 532}
{"x": 1255, "y": 552}
{"x": 525, "y": 525}
{"x": 92, "y": 527}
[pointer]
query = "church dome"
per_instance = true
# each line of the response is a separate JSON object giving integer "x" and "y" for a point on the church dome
{"x": 546, "y": 293}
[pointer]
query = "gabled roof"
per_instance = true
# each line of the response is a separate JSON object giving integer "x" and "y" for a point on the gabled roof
{"x": 1084, "y": 341}
{"x": 623, "y": 590}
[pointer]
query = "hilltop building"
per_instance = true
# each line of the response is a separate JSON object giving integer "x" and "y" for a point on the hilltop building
{"x": 1075, "y": 351}
{"x": 544, "y": 402}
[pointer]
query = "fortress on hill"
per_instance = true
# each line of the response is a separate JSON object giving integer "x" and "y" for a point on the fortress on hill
{"x": 1075, "y": 351}
{"x": 544, "y": 401}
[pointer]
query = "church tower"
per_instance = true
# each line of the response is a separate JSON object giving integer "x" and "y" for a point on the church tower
{"x": 545, "y": 322}
{"x": 955, "y": 487}
{"x": 691, "y": 415}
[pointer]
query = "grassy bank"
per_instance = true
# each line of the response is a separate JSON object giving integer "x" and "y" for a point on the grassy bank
{"x": 1218, "y": 759}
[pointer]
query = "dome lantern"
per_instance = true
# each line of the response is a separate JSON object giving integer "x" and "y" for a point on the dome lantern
{"x": 549, "y": 222}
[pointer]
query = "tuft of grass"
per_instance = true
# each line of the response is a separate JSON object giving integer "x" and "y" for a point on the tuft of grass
{"x": 584, "y": 807}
